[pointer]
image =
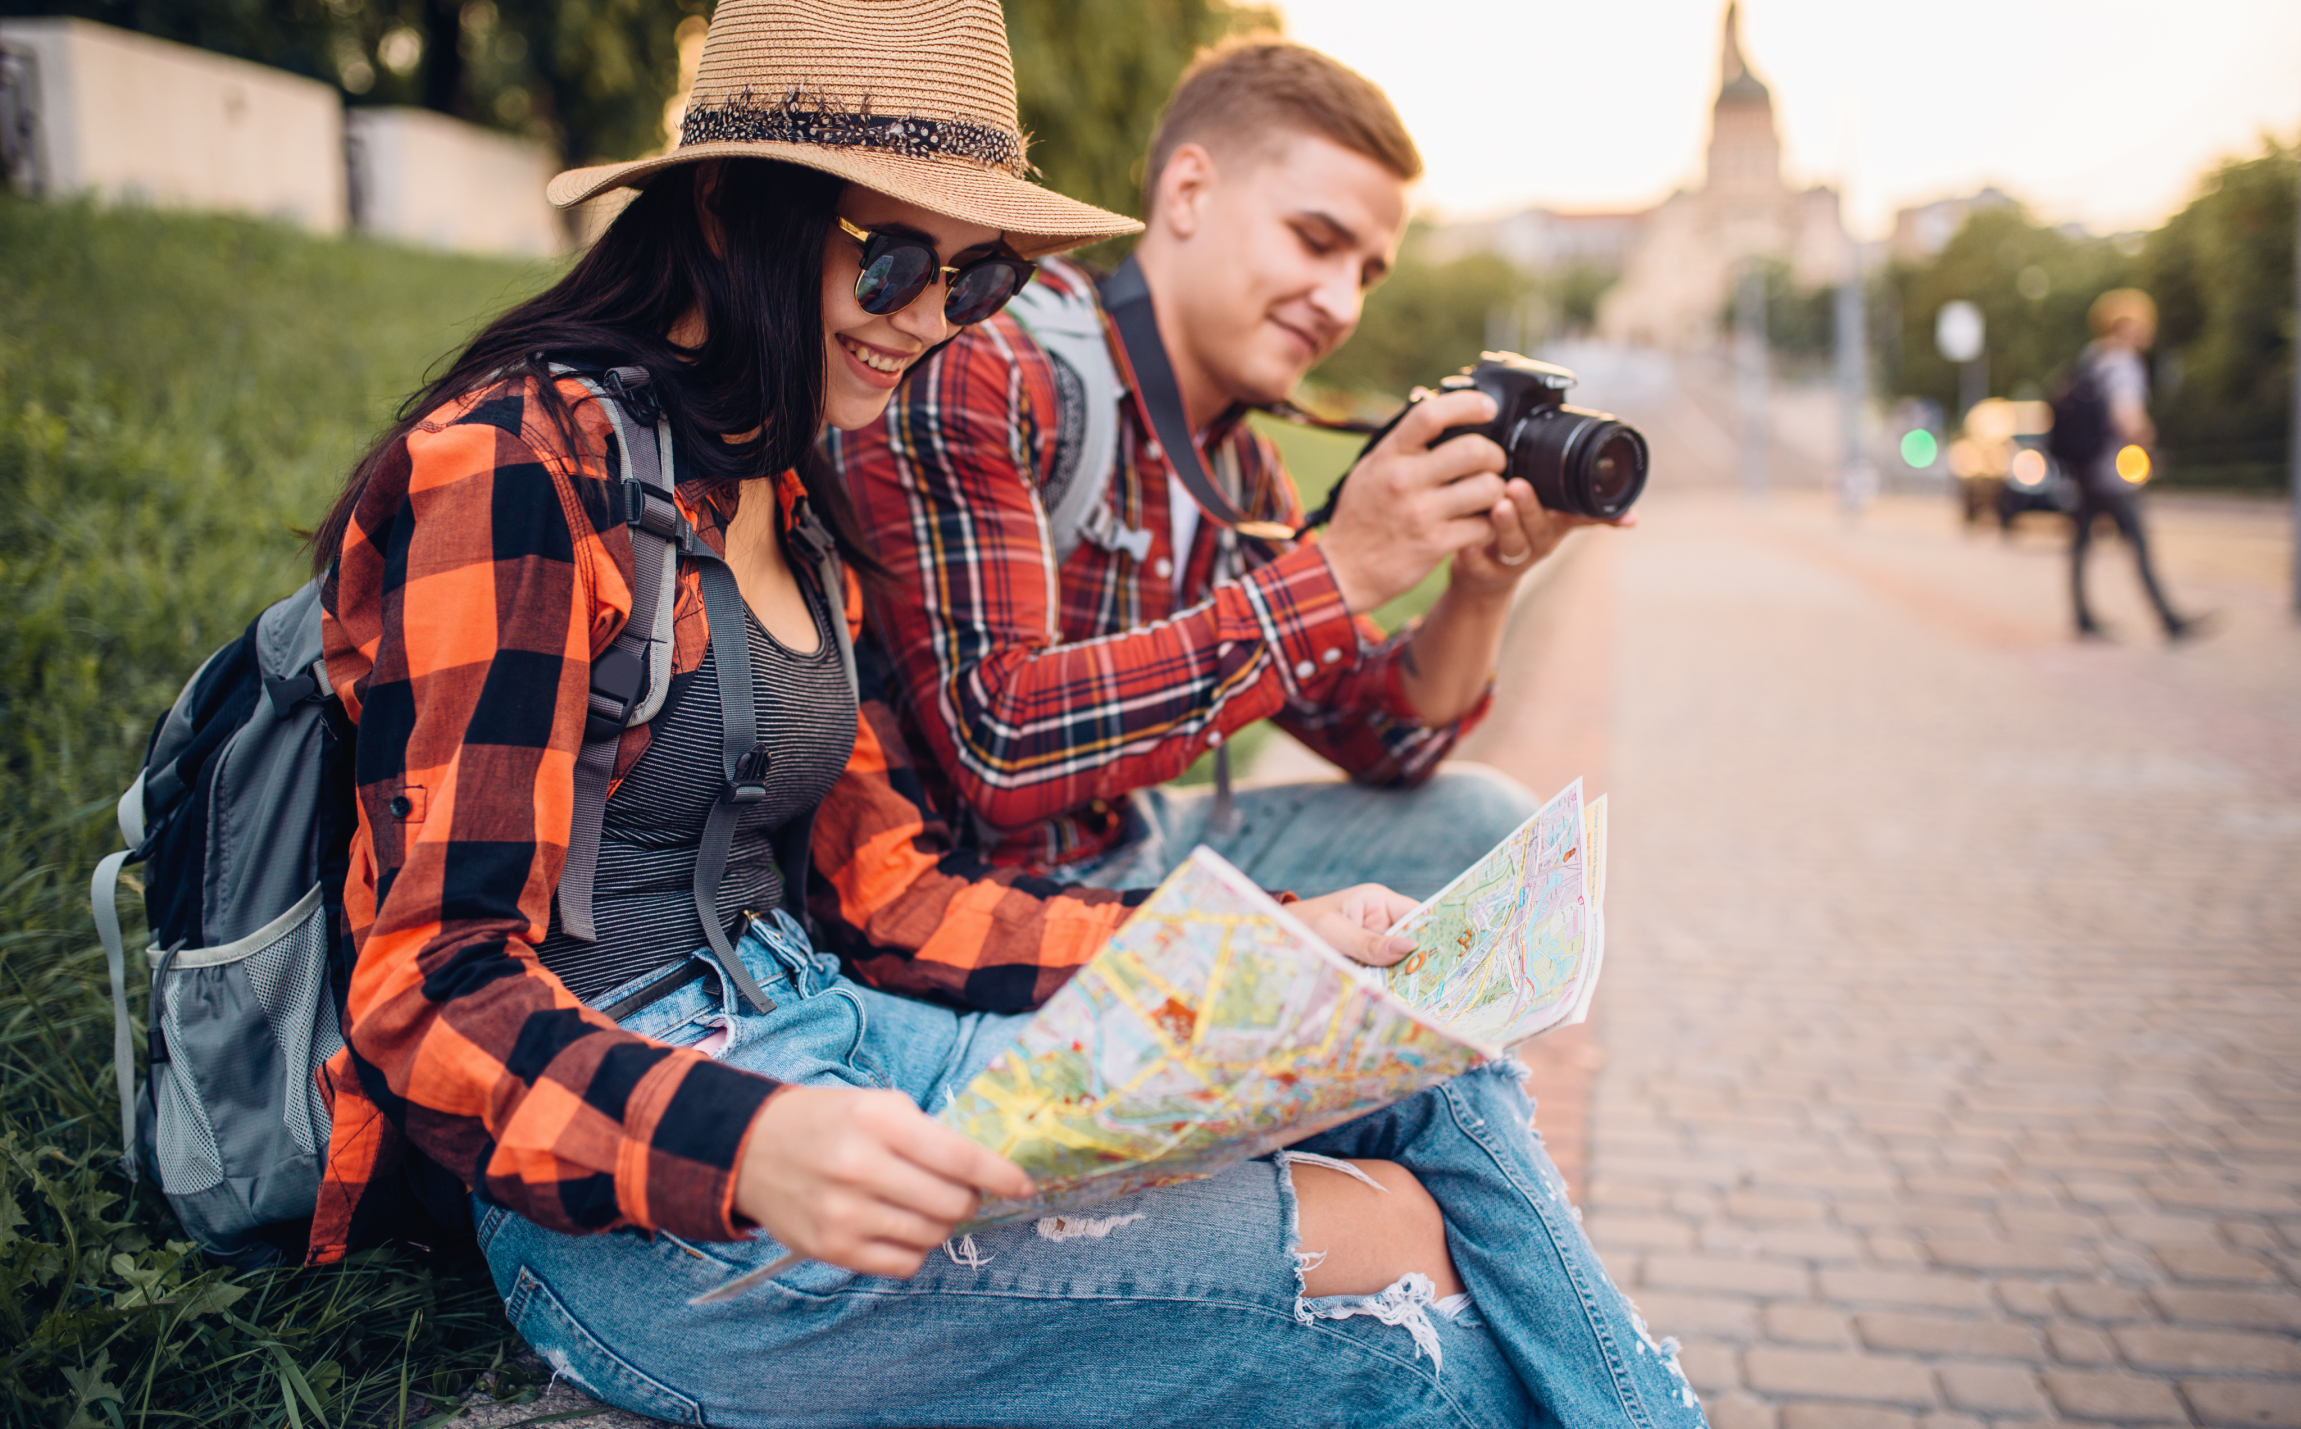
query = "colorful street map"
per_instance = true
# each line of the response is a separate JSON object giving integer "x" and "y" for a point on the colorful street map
{"x": 1511, "y": 948}
{"x": 1213, "y": 1027}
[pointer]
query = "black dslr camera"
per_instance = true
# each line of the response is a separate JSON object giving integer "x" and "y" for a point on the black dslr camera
{"x": 1575, "y": 459}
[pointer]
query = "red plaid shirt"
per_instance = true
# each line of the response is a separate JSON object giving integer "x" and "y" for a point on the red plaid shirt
{"x": 1048, "y": 696}
{"x": 484, "y": 568}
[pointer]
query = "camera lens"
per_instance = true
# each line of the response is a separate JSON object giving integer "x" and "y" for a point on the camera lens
{"x": 1579, "y": 461}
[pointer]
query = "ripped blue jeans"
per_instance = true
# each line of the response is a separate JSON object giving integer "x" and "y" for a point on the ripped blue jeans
{"x": 1178, "y": 1306}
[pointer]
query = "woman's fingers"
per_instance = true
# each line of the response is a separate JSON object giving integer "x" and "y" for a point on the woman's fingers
{"x": 1352, "y": 922}
{"x": 937, "y": 1148}
{"x": 863, "y": 1179}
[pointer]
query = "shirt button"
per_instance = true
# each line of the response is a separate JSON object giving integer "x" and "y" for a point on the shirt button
{"x": 1154, "y": 452}
{"x": 1162, "y": 567}
{"x": 401, "y": 806}
{"x": 1331, "y": 656}
{"x": 1213, "y": 738}
{"x": 1303, "y": 669}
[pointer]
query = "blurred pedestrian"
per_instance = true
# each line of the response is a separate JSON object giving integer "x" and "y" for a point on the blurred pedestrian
{"x": 2100, "y": 417}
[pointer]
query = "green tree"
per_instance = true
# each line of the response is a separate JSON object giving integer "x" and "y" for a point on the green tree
{"x": 1092, "y": 78}
{"x": 2032, "y": 283}
{"x": 2222, "y": 273}
{"x": 1426, "y": 320}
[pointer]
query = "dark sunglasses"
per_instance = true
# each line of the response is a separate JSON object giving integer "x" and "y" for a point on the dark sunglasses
{"x": 897, "y": 267}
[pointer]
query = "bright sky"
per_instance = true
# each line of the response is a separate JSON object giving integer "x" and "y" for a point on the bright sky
{"x": 2103, "y": 111}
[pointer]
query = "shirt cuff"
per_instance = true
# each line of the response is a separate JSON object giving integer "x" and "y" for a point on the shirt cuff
{"x": 684, "y": 1139}
{"x": 1299, "y": 613}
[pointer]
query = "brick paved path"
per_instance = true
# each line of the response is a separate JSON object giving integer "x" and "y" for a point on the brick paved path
{"x": 1952, "y": 1023}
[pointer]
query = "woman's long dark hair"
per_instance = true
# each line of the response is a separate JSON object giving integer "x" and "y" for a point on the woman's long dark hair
{"x": 758, "y": 370}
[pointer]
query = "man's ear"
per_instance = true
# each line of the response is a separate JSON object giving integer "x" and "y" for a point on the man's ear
{"x": 1183, "y": 185}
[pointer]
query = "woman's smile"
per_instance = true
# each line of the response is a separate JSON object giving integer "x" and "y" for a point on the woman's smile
{"x": 875, "y": 365}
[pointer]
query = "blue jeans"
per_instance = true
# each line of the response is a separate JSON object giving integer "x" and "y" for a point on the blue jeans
{"x": 1316, "y": 837}
{"x": 1178, "y": 1306}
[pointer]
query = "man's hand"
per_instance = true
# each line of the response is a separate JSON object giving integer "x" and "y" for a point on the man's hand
{"x": 1409, "y": 505}
{"x": 1353, "y": 921}
{"x": 1524, "y": 533}
{"x": 863, "y": 1179}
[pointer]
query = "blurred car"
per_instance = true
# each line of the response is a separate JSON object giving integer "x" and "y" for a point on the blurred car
{"x": 2002, "y": 466}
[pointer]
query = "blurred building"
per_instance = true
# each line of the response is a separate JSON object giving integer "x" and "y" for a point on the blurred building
{"x": 90, "y": 109}
{"x": 425, "y": 178}
{"x": 1543, "y": 240}
{"x": 1680, "y": 272}
{"x": 133, "y": 119}
{"x": 1923, "y": 231}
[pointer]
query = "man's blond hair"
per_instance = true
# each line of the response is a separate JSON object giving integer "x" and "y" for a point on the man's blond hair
{"x": 2118, "y": 304}
{"x": 1244, "y": 91}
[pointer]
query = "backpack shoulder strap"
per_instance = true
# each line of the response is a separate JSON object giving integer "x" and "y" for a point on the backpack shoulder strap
{"x": 1070, "y": 327}
{"x": 631, "y": 678}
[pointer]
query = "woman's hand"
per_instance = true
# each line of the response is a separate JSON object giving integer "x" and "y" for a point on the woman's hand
{"x": 1352, "y": 922}
{"x": 863, "y": 1179}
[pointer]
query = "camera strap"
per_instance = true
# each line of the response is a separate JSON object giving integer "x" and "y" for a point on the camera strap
{"x": 1127, "y": 298}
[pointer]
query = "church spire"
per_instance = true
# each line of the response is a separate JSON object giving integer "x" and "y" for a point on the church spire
{"x": 1735, "y": 82}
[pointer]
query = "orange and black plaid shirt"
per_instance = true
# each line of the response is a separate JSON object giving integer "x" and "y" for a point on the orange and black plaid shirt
{"x": 485, "y": 566}
{"x": 1047, "y": 695}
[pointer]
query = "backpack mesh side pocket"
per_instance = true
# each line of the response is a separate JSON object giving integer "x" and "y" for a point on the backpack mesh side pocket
{"x": 233, "y": 1121}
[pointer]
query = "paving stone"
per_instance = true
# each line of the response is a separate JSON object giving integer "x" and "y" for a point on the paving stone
{"x": 2026, "y": 1297}
{"x": 2080, "y": 1344}
{"x": 1643, "y": 1232}
{"x": 1884, "y": 1287}
{"x": 1717, "y": 1317}
{"x": 1946, "y": 1335}
{"x": 2107, "y": 1304}
{"x": 1844, "y": 1416}
{"x": 1807, "y": 1325}
{"x": 2203, "y": 1264}
{"x": 2221, "y": 1402}
{"x": 2252, "y": 1308}
{"x": 1890, "y": 986}
{"x": 2234, "y": 1351}
{"x": 2115, "y": 1397}
{"x": 1709, "y": 1365}
{"x": 1993, "y": 1389}
{"x": 1738, "y": 1411}
{"x": 1809, "y": 1244}
{"x": 1711, "y": 1272}
{"x": 1773, "y": 1369}
{"x": 2007, "y": 1255}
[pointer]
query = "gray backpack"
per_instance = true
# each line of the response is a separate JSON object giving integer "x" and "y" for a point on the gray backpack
{"x": 242, "y": 816}
{"x": 1070, "y": 328}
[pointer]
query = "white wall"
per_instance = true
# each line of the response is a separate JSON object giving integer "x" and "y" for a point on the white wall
{"x": 136, "y": 119}
{"x": 422, "y": 177}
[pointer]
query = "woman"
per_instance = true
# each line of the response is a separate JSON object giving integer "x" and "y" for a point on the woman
{"x": 838, "y": 201}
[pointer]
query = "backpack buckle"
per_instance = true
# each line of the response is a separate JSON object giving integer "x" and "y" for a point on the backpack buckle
{"x": 749, "y": 785}
{"x": 651, "y": 510}
{"x": 617, "y": 678}
{"x": 633, "y": 387}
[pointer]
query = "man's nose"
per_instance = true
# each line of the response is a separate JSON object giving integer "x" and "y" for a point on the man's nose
{"x": 1338, "y": 298}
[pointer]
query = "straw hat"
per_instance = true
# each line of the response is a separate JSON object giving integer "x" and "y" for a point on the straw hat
{"x": 914, "y": 98}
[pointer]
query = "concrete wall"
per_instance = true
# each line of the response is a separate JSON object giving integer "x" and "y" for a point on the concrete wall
{"x": 136, "y": 119}
{"x": 423, "y": 177}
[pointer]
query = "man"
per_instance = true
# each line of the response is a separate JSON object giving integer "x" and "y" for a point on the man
{"x": 2124, "y": 322}
{"x": 1053, "y": 696}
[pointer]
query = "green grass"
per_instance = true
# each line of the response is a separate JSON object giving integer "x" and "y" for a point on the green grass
{"x": 179, "y": 396}
{"x": 1316, "y": 459}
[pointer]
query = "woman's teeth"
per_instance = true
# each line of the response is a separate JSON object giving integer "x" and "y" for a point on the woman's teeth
{"x": 872, "y": 358}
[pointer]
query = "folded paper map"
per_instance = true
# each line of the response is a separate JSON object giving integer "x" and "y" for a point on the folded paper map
{"x": 1215, "y": 1026}
{"x": 1511, "y": 948}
